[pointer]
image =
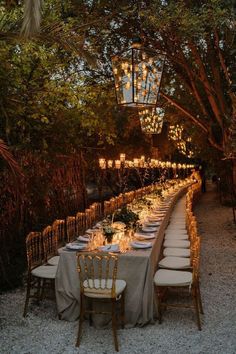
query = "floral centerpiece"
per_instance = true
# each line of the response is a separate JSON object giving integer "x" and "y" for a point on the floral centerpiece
{"x": 108, "y": 232}
{"x": 145, "y": 201}
{"x": 127, "y": 216}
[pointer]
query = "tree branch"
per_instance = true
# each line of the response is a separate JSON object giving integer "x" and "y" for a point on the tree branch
{"x": 206, "y": 83}
{"x": 203, "y": 126}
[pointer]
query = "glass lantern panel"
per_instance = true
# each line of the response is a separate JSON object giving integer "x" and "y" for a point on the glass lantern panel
{"x": 137, "y": 74}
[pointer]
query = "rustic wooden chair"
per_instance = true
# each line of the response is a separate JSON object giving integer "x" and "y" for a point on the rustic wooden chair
{"x": 40, "y": 275}
{"x": 98, "y": 282}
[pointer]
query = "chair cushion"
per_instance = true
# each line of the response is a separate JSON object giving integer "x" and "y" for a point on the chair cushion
{"x": 166, "y": 277}
{"x": 99, "y": 291}
{"x": 175, "y": 236}
{"x": 176, "y": 252}
{"x": 177, "y": 243}
{"x": 45, "y": 271}
{"x": 54, "y": 260}
{"x": 175, "y": 263}
{"x": 176, "y": 227}
{"x": 176, "y": 232}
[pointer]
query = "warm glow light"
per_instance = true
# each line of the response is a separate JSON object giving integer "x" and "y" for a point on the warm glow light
{"x": 151, "y": 120}
{"x": 102, "y": 163}
{"x": 136, "y": 162}
{"x": 109, "y": 163}
{"x": 137, "y": 73}
{"x": 117, "y": 164}
{"x": 122, "y": 157}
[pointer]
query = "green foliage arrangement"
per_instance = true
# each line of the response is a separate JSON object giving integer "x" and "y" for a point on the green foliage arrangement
{"x": 127, "y": 216}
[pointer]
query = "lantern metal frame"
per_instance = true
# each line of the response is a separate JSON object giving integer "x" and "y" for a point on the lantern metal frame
{"x": 138, "y": 68}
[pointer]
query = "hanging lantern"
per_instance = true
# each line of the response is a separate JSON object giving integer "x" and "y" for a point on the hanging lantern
{"x": 151, "y": 120}
{"x": 138, "y": 73}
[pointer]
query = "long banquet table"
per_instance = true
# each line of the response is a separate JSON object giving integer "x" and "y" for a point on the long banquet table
{"x": 136, "y": 267}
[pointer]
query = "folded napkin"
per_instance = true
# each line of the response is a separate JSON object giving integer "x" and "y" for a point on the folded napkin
{"x": 109, "y": 248}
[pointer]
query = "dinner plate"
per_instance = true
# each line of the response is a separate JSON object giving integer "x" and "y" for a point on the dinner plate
{"x": 154, "y": 219}
{"x": 159, "y": 212}
{"x": 83, "y": 238}
{"x": 110, "y": 248}
{"x": 139, "y": 244}
{"x": 152, "y": 223}
{"x": 75, "y": 246}
{"x": 144, "y": 236}
{"x": 90, "y": 231}
{"x": 149, "y": 229}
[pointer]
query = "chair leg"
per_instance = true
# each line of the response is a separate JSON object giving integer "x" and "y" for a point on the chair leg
{"x": 196, "y": 305}
{"x": 199, "y": 299}
{"x": 27, "y": 296}
{"x": 42, "y": 289}
{"x": 114, "y": 324}
{"x": 81, "y": 318}
{"x": 91, "y": 309}
{"x": 122, "y": 310}
{"x": 38, "y": 292}
{"x": 159, "y": 305}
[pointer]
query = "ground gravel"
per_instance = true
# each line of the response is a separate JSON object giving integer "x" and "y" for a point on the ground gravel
{"x": 41, "y": 331}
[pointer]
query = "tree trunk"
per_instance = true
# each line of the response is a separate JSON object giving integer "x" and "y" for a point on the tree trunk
{"x": 234, "y": 174}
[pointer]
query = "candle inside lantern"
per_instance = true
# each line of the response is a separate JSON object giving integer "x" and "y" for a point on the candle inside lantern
{"x": 122, "y": 157}
{"x": 117, "y": 164}
{"x": 102, "y": 163}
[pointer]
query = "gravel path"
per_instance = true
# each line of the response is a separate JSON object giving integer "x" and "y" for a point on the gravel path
{"x": 41, "y": 332}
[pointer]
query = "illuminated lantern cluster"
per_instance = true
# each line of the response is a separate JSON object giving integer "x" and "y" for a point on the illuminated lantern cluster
{"x": 183, "y": 146}
{"x": 137, "y": 73}
{"x": 151, "y": 120}
{"x": 139, "y": 163}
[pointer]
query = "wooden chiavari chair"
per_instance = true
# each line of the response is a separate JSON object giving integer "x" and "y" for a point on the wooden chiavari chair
{"x": 80, "y": 220}
{"x": 70, "y": 228}
{"x": 58, "y": 229}
{"x": 53, "y": 239}
{"x": 107, "y": 208}
{"x": 166, "y": 279}
{"x": 98, "y": 281}
{"x": 88, "y": 218}
{"x": 49, "y": 243}
{"x": 39, "y": 275}
{"x": 97, "y": 207}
